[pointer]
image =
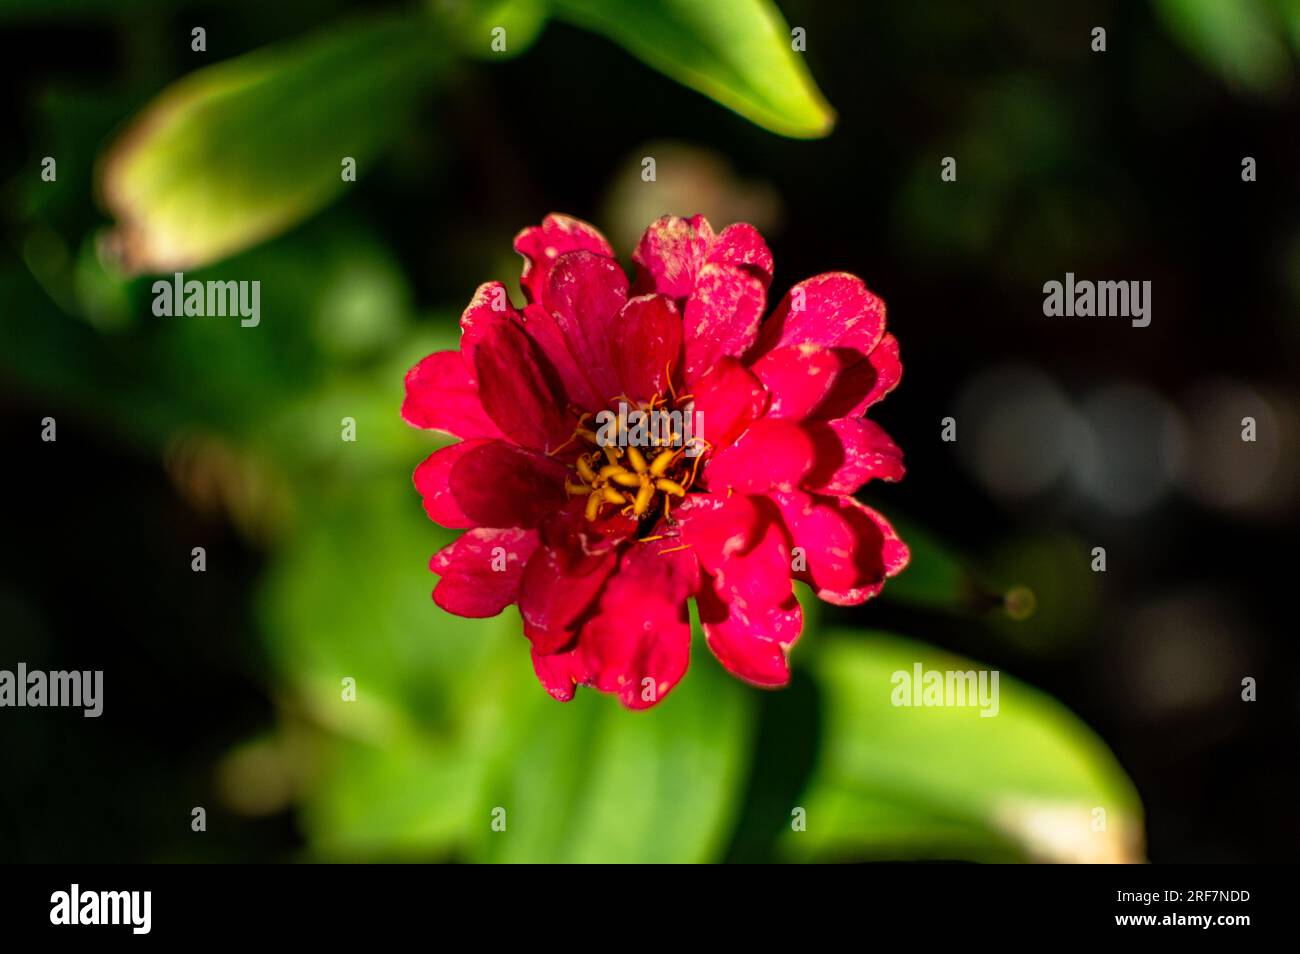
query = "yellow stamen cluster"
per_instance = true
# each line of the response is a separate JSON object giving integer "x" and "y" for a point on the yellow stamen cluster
{"x": 622, "y": 477}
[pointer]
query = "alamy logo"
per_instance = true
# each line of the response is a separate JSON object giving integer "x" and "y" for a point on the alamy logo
{"x": 1086, "y": 299}
{"x": 217, "y": 299}
{"x": 102, "y": 907}
{"x": 635, "y": 427}
{"x": 946, "y": 688}
{"x": 36, "y": 689}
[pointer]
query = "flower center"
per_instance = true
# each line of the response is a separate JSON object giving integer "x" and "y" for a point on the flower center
{"x": 639, "y": 459}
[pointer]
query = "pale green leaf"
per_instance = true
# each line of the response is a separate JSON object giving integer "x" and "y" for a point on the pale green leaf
{"x": 590, "y": 781}
{"x": 240, "y": 151}
{"x": 738, "y": 52}
{"x": 493, "y": 29}
{"x": 1030, "y": 782}
{"x": 1243, "y": 41}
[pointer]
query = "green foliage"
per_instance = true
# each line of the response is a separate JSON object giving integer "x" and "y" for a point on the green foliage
{"x": 1245, "y": 42}
{"x": 918, "y": 782}
{"x": 237, "y": 152}
{"x": 593, "y": 782}
{"x": 737, "y": 52}
{"x": 473, "y": 25}
{"x": 397, "y": 771}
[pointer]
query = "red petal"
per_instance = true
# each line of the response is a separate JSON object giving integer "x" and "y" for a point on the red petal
{"x": 497, "y": 484}
{"x": 669, "y": 254}
{"x": 647, "y": 346}
{"x": 569, "y": 530}
{"x": 715, "y": 527}
{"x": 546, "y": 334}
{"x": 741, "y": 543}
{"x": 722, "y": 316}
{"x": 798, "y": 377}
{"x": 772, "y": 455}
{"x": 877, "y": 552}
{"x": 740, "y": 244}
{"x": 585, "y": 294}
{"x": 639, "y": 644}
{"x": 557, "y": 592}
{"x": 441, "y": 395}
{"x": 863, "y": 382}
{"x": 560, "y": 673}
{"x": 481, "y": 571}
{"x": 748, "y": 610}
{"x": 654, "y": 571}
{"x": 837, "y": 310}
{"x": 759, "y": 577}
{"x": 727, "y": 400}
{"x": 893, "y": 551}
{"x": 888, "y": 368}
{"x": 754, "y": 647}
{"x": 517, "y": 391}
{"x": 432, "y": 480}
{"x": 850, "y": 452}
{"x": 641, "y": 658}
{"x": 489, "y": 308}
{"x": 825, "y": 543}
{"x": 542, "y": 245}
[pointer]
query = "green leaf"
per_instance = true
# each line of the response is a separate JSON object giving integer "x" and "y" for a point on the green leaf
{"x": 590, "y": 781}
{"x": 238, "y": 152}
{"x": 409, "y": 799}
{"x": 494, "y": 29}
{"x": 1289, "y": 11}
{"x": 737, "y": 52}
{"x": 1244, "y": 42}
{"x": 350, "y": 598}
{"x": 396, "y": 771}
{"x": 949, "y": 782}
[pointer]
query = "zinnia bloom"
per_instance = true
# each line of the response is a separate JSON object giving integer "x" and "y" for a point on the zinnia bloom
{"x": 603, "y": 546}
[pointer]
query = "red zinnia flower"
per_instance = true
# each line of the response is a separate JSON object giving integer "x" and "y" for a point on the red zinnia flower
{"x": 603, "y": 546}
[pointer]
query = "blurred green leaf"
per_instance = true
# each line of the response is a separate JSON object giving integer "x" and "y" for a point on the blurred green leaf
{"x": 237, "y": 152}
{"x": 475, "y": 21}
{"x": 737, "y": 52}
{"x": 1243, "y": 41}
{"x": 593, "y": 782}
{"x": 335, "y": 338}
{"x": 397, "y": 771}
{"x": 916, "y": 782}
{"x": 349, "y": 596}
{"x": 407, "y": 799}
{"x": 1290, "y": 13}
